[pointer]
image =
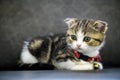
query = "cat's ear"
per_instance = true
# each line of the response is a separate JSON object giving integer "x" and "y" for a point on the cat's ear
{"x": 101, "y": 26}
{"x": 71, "y": 22}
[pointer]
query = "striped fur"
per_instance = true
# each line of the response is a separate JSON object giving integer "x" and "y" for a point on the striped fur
{"x": 82, "y": 28}
{"x": 84, "y": 35}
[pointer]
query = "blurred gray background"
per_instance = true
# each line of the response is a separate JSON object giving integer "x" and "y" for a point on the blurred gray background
{"x": 21, "y": 19}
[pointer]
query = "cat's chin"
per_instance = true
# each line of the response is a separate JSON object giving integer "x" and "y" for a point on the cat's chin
{"x": 80, "y": 50}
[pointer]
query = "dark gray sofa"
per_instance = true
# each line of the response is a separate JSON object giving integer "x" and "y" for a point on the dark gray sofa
{"x": 22, "y": 19}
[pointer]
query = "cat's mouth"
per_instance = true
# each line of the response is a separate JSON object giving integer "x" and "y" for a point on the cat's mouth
{"x": 78, "y": 49}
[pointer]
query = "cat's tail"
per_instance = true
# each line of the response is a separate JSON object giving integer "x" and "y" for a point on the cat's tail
{"x": 26, "y": 57}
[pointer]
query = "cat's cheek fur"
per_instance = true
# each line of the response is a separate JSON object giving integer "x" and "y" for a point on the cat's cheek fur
{"x": 73, "y": 45}
{"x": 84, "y": 46}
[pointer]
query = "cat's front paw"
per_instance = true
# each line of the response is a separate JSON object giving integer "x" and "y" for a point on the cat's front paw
{"x": 97, "y": 66}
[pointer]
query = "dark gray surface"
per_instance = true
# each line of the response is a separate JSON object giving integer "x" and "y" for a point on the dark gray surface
{"x": 107, "y": 74}
{"x": 21, "y": 19}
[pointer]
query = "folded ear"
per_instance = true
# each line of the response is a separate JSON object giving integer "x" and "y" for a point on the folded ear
{"x": 70, "y": 22}
{"x": 101, "y": 26}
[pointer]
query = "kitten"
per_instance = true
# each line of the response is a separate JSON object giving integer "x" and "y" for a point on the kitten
{"x": 78, "y": 49}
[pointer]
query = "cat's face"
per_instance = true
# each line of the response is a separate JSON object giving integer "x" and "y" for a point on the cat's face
{"x": 85, "y": 35}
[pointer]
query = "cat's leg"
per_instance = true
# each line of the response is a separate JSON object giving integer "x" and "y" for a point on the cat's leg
{"x": 83, "y": 65}
{"x": 73, "y": 65}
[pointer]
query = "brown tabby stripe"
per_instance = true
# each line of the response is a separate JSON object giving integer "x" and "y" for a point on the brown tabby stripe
{"x": 83, "y": 24}
{"x": 97, "y": 40}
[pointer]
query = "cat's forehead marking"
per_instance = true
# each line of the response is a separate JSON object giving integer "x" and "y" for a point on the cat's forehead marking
{"x": 79, "y": 33}
{"x": 83, "y": 26}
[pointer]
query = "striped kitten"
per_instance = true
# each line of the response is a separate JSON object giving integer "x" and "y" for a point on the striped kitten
{"x": 78, "y": 49}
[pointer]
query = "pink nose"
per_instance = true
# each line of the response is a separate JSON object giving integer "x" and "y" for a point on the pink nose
{"x": 79, "y": 46}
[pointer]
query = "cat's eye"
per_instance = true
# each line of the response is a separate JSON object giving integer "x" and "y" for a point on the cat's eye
{"x": 86, "y": 39}
{"x": 73, "y": 37}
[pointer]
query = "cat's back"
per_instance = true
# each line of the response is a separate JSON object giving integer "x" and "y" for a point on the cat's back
{"x": 42, "y": 48}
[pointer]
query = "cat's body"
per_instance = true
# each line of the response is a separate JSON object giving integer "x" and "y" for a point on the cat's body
{"x": 84, "y": 37}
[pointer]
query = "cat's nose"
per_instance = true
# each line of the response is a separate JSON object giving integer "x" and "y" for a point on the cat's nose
{"x": 78, "y": 45}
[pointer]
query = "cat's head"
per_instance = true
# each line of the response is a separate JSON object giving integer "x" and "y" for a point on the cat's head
{"x": 85, "y": 35}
